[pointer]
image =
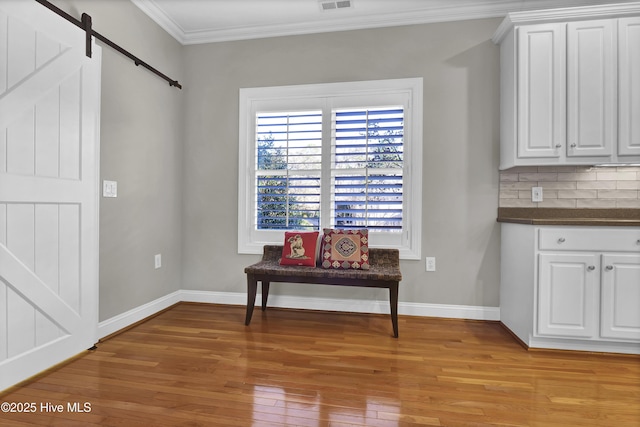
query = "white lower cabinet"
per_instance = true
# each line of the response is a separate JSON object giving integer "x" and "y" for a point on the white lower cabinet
{"x": 572, "y": 288}
{"x": 568, "y": 295}
{"x": 620, "y": 297}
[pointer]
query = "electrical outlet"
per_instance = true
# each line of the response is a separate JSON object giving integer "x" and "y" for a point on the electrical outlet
{"x": 536, "y": 194}
{"x": 158, "y": 260}
{"x": 431, "y": 263}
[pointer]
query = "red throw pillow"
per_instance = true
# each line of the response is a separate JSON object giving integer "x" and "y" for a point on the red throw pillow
{"x": 345, "y": 249}
{"x": 299, "y": 248}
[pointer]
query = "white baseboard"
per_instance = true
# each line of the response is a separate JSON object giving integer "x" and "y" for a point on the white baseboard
{"x": 130, "y": 317}
{"x": 351, "y": 305}
{"x": 584, "y": 345}
{"x": 470, "y": 312}
{"x": 231, "y": 298}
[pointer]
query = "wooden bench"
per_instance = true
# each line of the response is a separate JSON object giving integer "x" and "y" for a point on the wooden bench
{"x": 384, "y": 272}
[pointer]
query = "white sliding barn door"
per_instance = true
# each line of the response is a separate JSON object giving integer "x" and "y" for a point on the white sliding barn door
{"x": 49, "y": 151}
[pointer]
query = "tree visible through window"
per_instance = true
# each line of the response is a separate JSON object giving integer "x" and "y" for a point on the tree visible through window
{"x": 366, "y": 169}
{"x": 288, "y": 153}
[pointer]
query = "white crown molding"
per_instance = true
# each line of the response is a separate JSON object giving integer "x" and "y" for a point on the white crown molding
{"x": 478, "y": 10}
{"x": 565, "y": 15}
{"x": 150, "y": 8}
{"x": 346, "y": 24}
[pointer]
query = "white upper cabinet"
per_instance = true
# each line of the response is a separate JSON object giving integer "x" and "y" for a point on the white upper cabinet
{"x": 591, "y": 88}
{"x": 570, "y": 86}
{"x": 629, "y": 84}
{"x": 541, "y": 113}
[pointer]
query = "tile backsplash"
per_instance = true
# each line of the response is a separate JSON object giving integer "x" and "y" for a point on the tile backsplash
{"x": 572, "y": 187}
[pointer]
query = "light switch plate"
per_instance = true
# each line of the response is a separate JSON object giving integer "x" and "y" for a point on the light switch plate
{"x": 109, "y": 188}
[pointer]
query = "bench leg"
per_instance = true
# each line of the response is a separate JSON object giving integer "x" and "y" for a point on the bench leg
{"x": 265, "y": 294}
{"x": 393, "y": 302}
{"x": 252, "y": 288}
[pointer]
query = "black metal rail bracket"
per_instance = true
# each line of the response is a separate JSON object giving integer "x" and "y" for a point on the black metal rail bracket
{"x": 86, "y": 25}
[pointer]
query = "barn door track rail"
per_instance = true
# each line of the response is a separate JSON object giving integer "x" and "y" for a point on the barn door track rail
{"x": 85, "y": 24}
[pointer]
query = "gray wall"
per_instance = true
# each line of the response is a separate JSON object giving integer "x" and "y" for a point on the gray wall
{"x": 460, "y": 67}
{"x": 141, "y": 149}
{"x": 175, "y": 153}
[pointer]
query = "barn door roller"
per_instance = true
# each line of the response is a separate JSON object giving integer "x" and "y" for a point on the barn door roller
{"x": 85, "y": 24}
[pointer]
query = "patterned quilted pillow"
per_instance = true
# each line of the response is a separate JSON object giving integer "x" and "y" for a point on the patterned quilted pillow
{"x": 347, "y": 249}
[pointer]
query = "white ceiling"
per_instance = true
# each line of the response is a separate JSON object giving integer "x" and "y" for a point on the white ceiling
{"x": 206, "y": 21}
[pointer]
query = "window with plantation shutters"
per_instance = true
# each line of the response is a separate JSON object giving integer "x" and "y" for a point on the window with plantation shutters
{"x": 367, "y": 169}
{"x": 339, "y": 155}
{"x": 288, "y": 169}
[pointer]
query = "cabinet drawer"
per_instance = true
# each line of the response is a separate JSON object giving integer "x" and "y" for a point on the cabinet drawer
{"x": 589, "y": 239}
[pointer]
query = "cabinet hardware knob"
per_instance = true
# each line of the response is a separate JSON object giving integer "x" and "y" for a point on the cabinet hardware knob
{"x": 609, "y": 267}
{"x": 558, "y": 145}
{"x": 592, "y": 267}
{"x": 561, "y": 240}
{"x": 573, "y": 145}
{"x": 638, "y": 242}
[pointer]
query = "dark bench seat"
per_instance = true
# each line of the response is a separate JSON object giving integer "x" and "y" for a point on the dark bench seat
{"x": 384, "y": 272}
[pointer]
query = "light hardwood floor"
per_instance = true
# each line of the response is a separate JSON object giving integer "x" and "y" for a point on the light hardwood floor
{"x": 198, "y": 365}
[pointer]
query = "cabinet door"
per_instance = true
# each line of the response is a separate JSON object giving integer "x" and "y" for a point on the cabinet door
{"x": 591, "y": 88}
{"x": 568, "y": 295}
{"x": 620, "y": 297}
{"x": 629, "y": 95}
{"x": 541, "y": 91}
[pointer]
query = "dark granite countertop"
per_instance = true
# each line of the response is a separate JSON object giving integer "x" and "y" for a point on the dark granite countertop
{"x": 556, "y": 216}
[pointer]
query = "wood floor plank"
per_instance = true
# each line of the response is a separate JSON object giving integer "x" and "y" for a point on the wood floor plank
{"x": 199, "y": 365}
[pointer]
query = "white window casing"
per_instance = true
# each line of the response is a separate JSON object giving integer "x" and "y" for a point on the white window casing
{"x": 330, "y": 99}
